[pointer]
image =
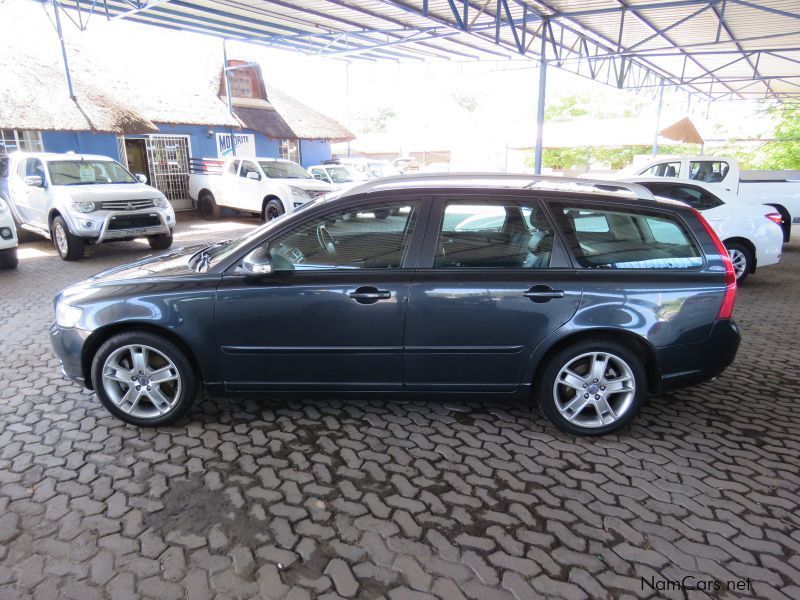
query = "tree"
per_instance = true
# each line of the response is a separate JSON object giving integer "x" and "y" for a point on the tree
{"x": 784, "y": 152}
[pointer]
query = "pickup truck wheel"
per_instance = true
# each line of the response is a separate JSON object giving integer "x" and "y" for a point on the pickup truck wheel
{"x": 742, "y": 260}
{"x": 68, "y": 246}
{"x": 272, "y": 210}
{"x": 161, "y": 241}
{"x": 8, "y": 259}
{"x": 382, "y": 213}
{"x": 209, "y": 209}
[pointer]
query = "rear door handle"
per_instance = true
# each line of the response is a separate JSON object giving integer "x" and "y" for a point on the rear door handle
{"x": 369, "y": 295}
{"x": 543, "y": 293}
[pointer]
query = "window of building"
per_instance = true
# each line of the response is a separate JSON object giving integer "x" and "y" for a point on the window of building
{"x": 25, "y": 140}
{"x": 241, "y": 84}
{"x": 290, "y": 150}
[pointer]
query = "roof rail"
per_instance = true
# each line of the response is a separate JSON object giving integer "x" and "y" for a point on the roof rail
{"x": 517, "y": 180}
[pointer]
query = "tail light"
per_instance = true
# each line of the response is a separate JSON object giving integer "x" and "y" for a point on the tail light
{"x": 775, "y": 218}
{"x": 728, "y": 300}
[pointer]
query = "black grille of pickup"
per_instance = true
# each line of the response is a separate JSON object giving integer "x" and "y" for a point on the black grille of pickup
{"x": 126, "y": 204}
{"x": 133, "y": 221}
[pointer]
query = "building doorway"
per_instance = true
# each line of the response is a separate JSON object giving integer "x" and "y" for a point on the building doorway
{"x": 136, "y": 153}
{"x": 165, "y": 161}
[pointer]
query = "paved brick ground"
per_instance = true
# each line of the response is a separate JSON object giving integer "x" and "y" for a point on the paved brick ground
{"x": 409, "y": 500}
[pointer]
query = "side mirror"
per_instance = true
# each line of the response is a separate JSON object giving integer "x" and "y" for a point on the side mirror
{"x": 320, "y": 177}
{"x": 256, "y": 263}
{"x": 253, "y": 175}
{"x": 34, "y": 181}
{"x": 141, "y": 178}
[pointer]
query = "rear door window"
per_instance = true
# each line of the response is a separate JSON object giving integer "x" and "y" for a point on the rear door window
{"x": 615, "y": 238}
{"x": 695, "y": 197}
{"x": 710, "y": 171}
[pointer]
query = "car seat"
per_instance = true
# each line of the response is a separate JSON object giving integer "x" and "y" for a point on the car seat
{"x": 540, "y": 242}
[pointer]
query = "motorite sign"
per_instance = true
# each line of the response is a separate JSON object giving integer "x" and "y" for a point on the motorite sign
{"x": 245, "y": 144}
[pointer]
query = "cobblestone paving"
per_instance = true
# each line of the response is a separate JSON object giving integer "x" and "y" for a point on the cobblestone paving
{"x": 372, "y": 499}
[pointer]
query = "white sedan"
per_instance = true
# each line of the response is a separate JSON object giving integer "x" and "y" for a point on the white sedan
{"x": 752, "y": 233}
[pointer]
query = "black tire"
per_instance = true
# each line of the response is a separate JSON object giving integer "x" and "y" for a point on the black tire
{"x": 189, "y": 380}
{"x": 8, "y": 259}
{"x": 382, "y": 213}
{"x": 630, "y": 401}
{"x": 69, "y": 247}
{"x": 161, "y": 241}
{"x": 209, "y": 209}
{"x": 273, "y": 209}
{"x": 741, "y": 254}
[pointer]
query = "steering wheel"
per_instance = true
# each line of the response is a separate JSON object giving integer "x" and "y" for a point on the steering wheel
{"x": 325, "y": 239}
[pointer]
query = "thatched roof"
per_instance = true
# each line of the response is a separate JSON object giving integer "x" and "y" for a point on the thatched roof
{"x": 266, "y": 121}
{"x": 33, "y": 95}
{"x": 307, "y": 123}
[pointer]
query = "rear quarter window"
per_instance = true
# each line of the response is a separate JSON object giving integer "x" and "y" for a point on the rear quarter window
{"x": 612, "y": 238}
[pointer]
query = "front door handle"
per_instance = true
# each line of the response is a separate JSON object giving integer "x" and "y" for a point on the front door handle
{"x": 543, "y": 293}
{"x": 369, "y": 295}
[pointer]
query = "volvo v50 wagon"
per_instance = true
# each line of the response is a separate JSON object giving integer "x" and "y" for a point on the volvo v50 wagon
{"x": 582, "y": 296}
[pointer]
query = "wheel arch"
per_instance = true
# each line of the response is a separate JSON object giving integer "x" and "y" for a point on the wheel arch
{"x": 99, "y": 337}
{"x": 267, "y": 199}
{"x": 747, "y": 244}
{"x": 644, "y": 349}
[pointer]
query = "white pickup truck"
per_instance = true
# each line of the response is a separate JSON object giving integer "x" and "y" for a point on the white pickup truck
{"x": 79, "y": 199}
{"x": 779, "y": 189}
{"x": 267, "y": 187}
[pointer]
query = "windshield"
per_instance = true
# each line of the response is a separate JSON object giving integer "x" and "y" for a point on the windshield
{"x": 276, "y": 169}
{"x": 345, "y": 174}
{"x": 380, "y": 169}
{"x": 88, "y": 172}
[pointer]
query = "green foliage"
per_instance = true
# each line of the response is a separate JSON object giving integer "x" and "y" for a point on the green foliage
{"x": 379, "y": 120}
{"x": 784, "y": 152}
{"x": 614, "y": 157}
{"x": 466, "y": 101}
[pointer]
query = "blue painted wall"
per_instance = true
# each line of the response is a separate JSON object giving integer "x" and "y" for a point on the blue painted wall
{"x": 82, "y": 142}
{"x": 313, "y": 152}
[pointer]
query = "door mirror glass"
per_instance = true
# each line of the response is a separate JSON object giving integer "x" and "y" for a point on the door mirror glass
{"x": 34, "y": 181}
{"x": 253, "y": 175}
{"x": 320, "y": 176}
{"x": 256, "y": 263}
{"x": 141, "y": 178}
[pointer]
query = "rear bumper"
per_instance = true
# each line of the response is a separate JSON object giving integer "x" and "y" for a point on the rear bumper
{"x": 689, "y": 364}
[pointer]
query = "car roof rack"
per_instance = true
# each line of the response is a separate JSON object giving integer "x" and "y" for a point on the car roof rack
{"x": 505, "y": 180}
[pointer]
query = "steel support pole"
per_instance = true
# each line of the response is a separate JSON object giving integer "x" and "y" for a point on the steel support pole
{"x": 63, "y": 49}
{"x": 658, "y": 117}
{"x": 540, "y": 101}
{"x": 228, "y": 91}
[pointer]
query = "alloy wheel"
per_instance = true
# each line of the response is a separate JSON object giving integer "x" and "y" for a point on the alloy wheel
{"x": 594, "y": 389}
{"x": 141, "y": 381}
{"x": 61, "y": 239}
{"x": 739, "y": 261}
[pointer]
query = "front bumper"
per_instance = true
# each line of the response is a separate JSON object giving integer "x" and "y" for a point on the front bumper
{"x": 689, "y": 364}
{"x": 68, "y": 344}
{"x": 101, "y": 228}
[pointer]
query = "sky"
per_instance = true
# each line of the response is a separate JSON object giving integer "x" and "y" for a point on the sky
{"x": 431, "y": 100}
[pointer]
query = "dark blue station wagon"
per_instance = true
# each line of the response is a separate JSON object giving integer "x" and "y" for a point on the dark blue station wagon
{"x": 582, "y": 296}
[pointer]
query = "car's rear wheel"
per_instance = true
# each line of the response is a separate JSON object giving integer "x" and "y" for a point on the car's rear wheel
{"x": 8, "y": 259}
{"x": 592, "y": 387}
{"x": 68, "y": 246}
{"x": 209, "y": 209}
{"x": 742, "y": 259}
{"x": 161, "y": 241}
{"x": 144, "y": 379}
{"x": 272, "y": 210}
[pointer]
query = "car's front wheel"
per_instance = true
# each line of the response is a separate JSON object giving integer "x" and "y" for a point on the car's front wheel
{"x": 68, "y": 246}
{"x": 209, "y": 209}
{"x": 144, "y": 379}
{"x": 592, "y": 387}
{"x": 742, "y": 259}
{"x": 272, "y": 210}
{"x": 161, "y": 241}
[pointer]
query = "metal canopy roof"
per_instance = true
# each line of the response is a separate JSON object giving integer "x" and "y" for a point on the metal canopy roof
{"x": 720, "y": 49}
